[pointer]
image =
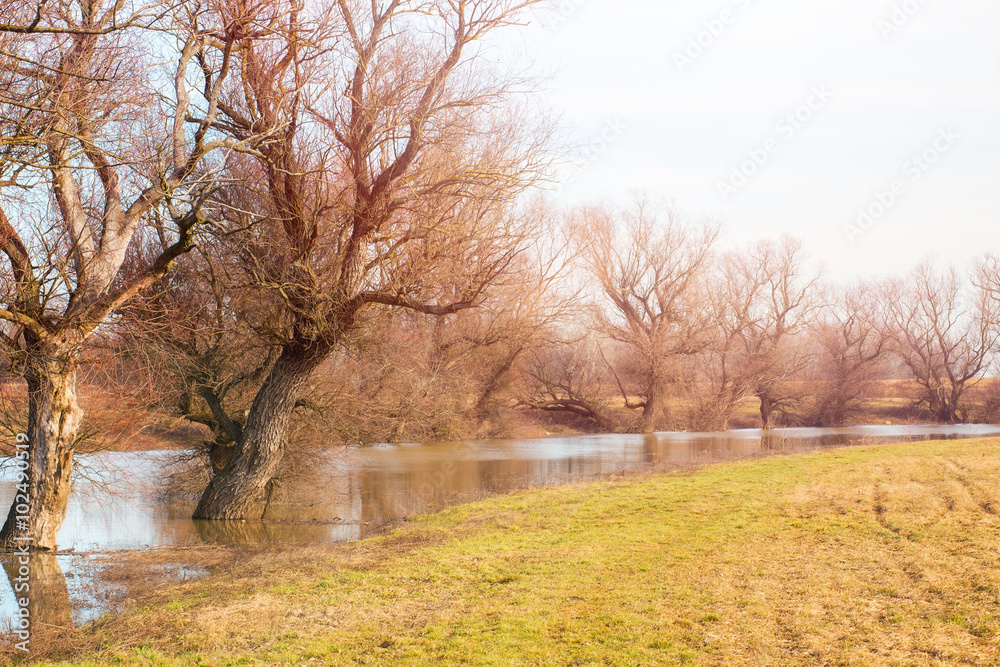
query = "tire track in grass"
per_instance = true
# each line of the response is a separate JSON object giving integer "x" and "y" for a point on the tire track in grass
{"x": 982, "y": 497}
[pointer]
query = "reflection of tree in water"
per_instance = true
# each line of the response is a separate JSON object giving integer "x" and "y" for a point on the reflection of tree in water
{"x": 257, "y": 532}
{"x": 771, "y": 442}
{"x": 48, "y": 595}
{"x": 235, "y": 532}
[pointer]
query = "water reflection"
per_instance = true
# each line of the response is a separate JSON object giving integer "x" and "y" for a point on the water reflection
{"x": 399, "y": 481}
{"x": 115, "y": 505}
{"x": 37, "y": 581}
{"x": 256, "y": 532}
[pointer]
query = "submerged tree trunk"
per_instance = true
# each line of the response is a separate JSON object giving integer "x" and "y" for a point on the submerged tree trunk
{"x": 656, "y": 412}
{"x": 766, "y": 409}
{"x": 54, "y": 417}
{"x": 835, "y": 412}
{"x": 231, "y": 494}
{"x": 948, "y": 413}
{"x": 941, "y": 403}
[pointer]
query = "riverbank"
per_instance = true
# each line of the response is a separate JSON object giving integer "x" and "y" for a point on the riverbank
{"x": 865, "y": 555}
{"x": 130, "y": 426}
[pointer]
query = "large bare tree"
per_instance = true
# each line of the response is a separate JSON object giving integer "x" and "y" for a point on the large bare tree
{"x": 393, "y": 153}
{"x": 852, "y": 341}
{"x": 760, "y": 297}
{"x": 945, "y": 333}
{"x": 647, "y": 263}
{"x": 101, "y": 147}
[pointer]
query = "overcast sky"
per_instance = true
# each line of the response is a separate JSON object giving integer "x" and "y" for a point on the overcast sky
{"x": 785, "y": 116}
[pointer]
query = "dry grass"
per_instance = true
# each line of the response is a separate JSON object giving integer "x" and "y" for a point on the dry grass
{"x": 884, "y": 555}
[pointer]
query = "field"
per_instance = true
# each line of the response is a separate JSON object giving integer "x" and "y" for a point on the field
{"x": 864, "y": 556}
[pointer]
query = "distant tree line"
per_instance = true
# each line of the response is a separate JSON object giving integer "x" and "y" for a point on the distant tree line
{"x": 628, "y": 318}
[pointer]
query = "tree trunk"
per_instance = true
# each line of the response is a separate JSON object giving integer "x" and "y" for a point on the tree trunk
{"x": 493, "y": 385}
{"x": 947, "y": 412}
{"x": 231, "y": 494}
{"x": 839, "y": 416}
{"x": 656, "y": 413}
{"x": 54, "y": 418}
{"x": 766, "y": 409}
{"x": 941, "y": 404}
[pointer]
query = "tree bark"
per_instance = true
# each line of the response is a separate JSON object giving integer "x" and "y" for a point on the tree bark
{"x": 656, "y": 413}
{"x": 766, "y": 409}
{"x": 54, "y": 418}
{"x": 947, "y": 413}
{"x": 494, "y": 384}
{"x": 231, "y": 494}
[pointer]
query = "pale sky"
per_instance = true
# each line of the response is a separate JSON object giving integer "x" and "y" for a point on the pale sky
{"x": 887, "y": 81}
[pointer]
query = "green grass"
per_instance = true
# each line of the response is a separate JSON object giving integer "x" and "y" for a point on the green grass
{"x": 867, "y": 556}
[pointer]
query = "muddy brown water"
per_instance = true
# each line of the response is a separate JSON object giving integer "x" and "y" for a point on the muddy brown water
{"x": 118, "y": 501}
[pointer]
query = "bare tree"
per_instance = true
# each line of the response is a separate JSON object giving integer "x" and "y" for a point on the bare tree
{"x": 851, "y": 335}
{"x": 761, "y": 299}
{"x": 400, "y": 375}
{"x": 457, "y": 375}
{"x": 570, "y": 377}
{"x": 536, "y": 300}
{"x": 944, "y": 333}
{"x": 192, "y": 336}
{"x": 393, "y": 158}
{"x": 95, "y": 156}
{"x": 986, "y": 279}
{"x": 647, "y": 261}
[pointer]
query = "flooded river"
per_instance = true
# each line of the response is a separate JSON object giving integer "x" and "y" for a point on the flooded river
{"x": 118, "y": 498}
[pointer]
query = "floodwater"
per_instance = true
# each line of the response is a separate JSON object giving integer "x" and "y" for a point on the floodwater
{"x": 118, "y": 498}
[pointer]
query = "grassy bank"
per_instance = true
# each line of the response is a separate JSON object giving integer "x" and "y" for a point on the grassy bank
{"x": 877, "y": 555}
